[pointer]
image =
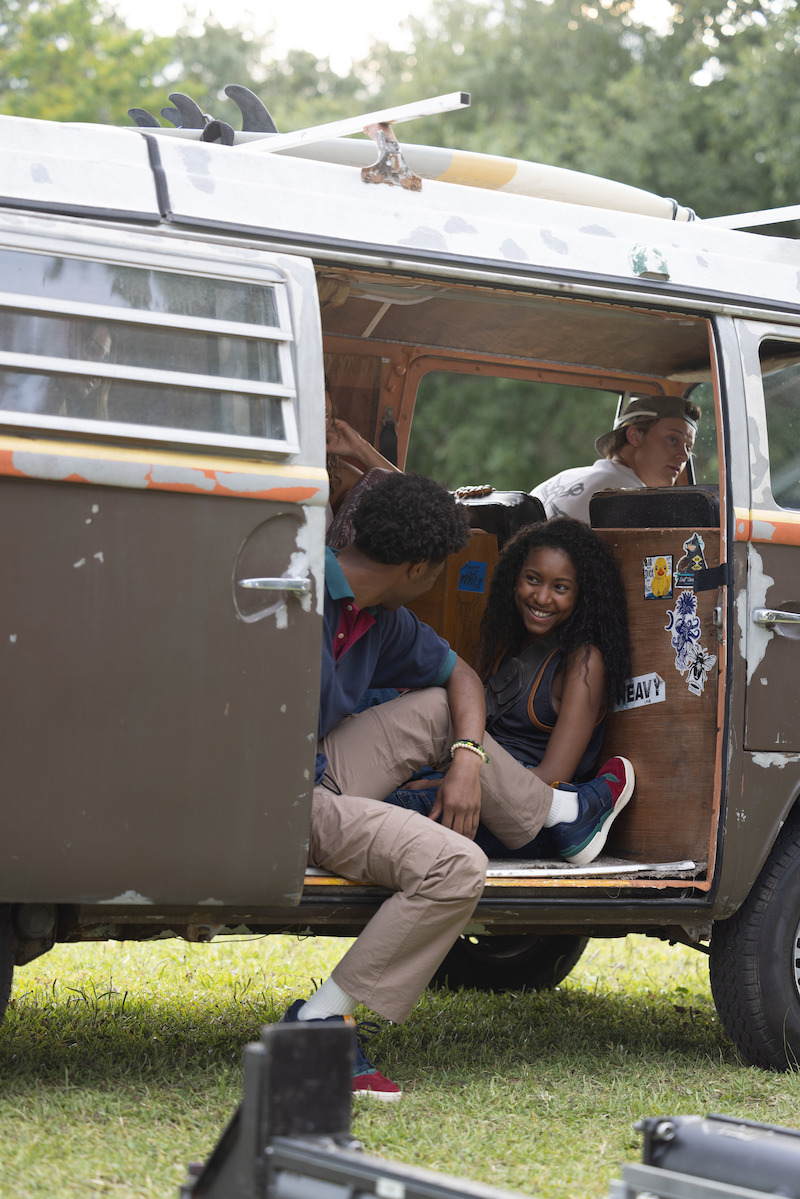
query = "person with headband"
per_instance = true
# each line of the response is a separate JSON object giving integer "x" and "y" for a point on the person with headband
{"x": 649, "y": 446}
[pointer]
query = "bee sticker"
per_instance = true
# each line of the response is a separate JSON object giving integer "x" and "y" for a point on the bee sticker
{"x": 657, "y": 577}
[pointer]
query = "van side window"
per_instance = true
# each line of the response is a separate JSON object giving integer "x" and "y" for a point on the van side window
{"x": 780, "y": 370}
{"x": 97, "y": 341}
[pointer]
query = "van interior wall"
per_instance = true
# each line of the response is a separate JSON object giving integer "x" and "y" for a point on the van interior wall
{"x": 669, "y": 731}
{"x": 667, "y": 722}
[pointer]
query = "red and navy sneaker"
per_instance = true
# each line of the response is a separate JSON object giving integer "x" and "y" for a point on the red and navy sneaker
{"x": 366, "y": 1079}
{"x": 599, "y": 803}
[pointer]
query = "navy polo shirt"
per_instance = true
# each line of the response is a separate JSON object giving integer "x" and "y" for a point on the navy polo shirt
{"x": 392, "y": 649}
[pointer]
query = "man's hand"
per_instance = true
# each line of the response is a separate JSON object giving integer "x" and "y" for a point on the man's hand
{"x": 459, "y": 797}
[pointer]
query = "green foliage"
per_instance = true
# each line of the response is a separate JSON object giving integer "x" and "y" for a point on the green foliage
{"x": 302, "y": 90}
{"x": 74, "y": 60}
{"x": 705, "y": 110}
{"x": 512, "y": 434}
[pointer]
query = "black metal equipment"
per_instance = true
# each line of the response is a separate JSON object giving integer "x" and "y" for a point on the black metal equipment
{"x": 290, "y": 1136}
{"x": 712, "y": 1157}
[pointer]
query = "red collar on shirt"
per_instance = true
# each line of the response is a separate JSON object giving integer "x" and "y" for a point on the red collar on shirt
{"x": 353, "y": 624}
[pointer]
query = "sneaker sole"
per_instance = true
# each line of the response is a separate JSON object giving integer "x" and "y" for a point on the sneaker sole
{"x": 587, "y": 855}
{"x": 381, "y": 1096}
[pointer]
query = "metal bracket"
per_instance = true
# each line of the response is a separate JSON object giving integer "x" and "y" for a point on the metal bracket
{"x": 391, "y": 166}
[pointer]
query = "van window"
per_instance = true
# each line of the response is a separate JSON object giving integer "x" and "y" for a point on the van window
{"x": 93, "y": 341}
{"x": 780, "y": 370}
{"x": 705, "y": 457}
{"x": 512, "y": 433}
{"x": 525, "y": 431}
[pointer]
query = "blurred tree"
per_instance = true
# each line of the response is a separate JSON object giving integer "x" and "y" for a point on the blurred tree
{"x": 703, "y": 108}
{"x": 77, "y": 60}
{"x": 472, "y": 429}
{"x": 74, "y": 60}
{"x": 299, "y": 90}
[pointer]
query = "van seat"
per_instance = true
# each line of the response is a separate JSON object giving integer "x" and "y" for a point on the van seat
{"x": 500, "y": 512}
{"x": 655, "y": 508}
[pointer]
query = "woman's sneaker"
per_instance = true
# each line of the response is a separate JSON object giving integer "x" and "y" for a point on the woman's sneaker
{"x": 366, "y": 1079}
{"x": 599, "y": 803}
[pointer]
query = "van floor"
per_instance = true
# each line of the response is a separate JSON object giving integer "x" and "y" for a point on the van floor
{"x": 524, "y": 868}
{"x": 603, "y": 866}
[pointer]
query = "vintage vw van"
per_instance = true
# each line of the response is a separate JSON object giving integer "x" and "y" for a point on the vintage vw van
{"x": 168, "y": 308}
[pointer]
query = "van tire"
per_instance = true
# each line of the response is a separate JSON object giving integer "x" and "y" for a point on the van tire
{"x": 755, "y": 964}
{"x": 6, "y": 957}
{"x": 527, "y": 962}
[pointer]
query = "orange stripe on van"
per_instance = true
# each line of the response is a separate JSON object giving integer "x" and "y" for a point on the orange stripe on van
{"x": 160, "y": 470}
{"x": 772, "y": 525}
{"x": 7, "y": 466}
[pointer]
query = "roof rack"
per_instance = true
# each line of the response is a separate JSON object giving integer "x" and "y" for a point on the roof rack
{"x": 407, "y": 168}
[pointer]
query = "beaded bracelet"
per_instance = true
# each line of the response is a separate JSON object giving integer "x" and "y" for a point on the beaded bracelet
{"x": 471, "y": 745}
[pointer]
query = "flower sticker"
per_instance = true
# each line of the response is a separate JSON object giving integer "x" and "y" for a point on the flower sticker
{"x": 683, "y": 624}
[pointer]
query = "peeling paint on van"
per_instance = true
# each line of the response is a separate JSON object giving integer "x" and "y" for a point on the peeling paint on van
{"x": 424, "y": 238}
{"x": 457, "y": 224}
{"x": 554, "y": 243}
{"x": 181, "y": 478}
{"x": 128, "y": 897}
{"x": 509, "y": 249}
{"x": 769, "y": 761}
{"x": 753, "y": 639}
{"x": 113, "y": 467}
{"x": 80, "y": 469}
{"x": 763, "y": 530}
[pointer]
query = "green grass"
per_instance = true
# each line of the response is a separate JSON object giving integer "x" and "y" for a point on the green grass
{"x": 119, "y": 1064}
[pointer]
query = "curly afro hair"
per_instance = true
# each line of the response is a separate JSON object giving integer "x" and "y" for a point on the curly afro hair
{"x": 600, "y": 615}
{"x": 409, "y": 518}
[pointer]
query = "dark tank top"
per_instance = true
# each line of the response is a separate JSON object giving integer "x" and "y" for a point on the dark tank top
{"x": 524, "y": 728}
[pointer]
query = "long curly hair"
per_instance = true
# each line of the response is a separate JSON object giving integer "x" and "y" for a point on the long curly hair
{"x": 600, "y": 615}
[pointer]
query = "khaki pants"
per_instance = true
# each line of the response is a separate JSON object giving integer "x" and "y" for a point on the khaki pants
{"x": 436, "y": 875}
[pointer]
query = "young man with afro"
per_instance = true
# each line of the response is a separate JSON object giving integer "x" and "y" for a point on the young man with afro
{"x": 405, "y": 528}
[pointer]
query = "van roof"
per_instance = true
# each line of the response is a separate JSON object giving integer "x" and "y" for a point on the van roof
{"x": 477, "y": 212}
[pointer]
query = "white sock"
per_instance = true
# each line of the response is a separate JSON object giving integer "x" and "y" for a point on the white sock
{"x": 563, "y": 808}
{"x": 329, "y": 1000}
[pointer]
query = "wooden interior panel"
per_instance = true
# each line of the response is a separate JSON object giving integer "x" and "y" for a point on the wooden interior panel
{"x": 671, "y": 743}
{"x": 455, "y": 604}
{"x": 516, "y": 325}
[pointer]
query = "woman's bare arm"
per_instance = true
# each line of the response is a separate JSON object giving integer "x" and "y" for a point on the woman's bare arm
{"x": 580, "y": 704}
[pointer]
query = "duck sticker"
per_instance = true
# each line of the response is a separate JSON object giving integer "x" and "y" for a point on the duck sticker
{"x": 657, "y": 577}
{"x": 691, "y": 659}
{"x": 694, "y": 559}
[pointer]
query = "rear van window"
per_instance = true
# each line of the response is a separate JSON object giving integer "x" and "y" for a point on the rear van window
{"x": 86, "y": 342}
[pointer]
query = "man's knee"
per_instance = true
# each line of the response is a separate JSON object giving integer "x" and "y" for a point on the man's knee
{"x": 459, "y": 870}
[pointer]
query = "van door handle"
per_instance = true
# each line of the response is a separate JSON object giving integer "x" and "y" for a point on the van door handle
{"x": 298, "y": 586}
{"x": 769, "y": 617}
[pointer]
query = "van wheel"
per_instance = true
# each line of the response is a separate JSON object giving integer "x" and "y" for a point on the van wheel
{"x": 755, "y": 962}
{"x": 6, "y": 957}
{"x": 529, "y": 962}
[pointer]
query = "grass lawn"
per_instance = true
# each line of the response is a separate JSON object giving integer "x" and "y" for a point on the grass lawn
{"x": 121, "y": 1063}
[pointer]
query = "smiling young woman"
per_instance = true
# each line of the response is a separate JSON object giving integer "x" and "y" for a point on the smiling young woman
{"x": 554, "y": 647}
